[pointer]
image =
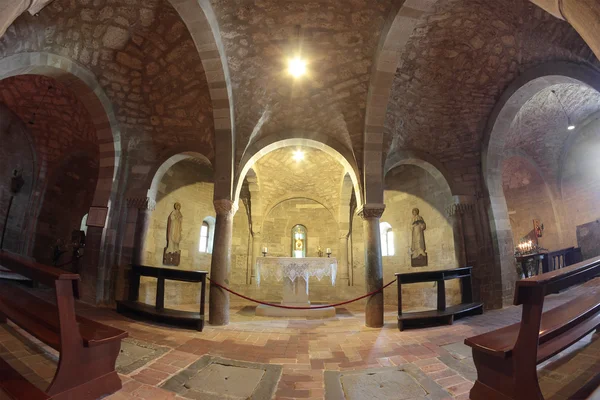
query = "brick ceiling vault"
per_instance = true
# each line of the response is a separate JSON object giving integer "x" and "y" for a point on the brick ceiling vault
{"x": 384, "y": 76}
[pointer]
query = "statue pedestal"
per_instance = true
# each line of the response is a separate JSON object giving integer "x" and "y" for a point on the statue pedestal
{"x": 295, "y": 274}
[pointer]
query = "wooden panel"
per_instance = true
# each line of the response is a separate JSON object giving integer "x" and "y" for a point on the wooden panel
{"x": 169, "y": 273}
{"x": 554, "y": 322}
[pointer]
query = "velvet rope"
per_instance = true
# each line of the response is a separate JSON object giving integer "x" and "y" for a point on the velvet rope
{"x": 298, "y": 308}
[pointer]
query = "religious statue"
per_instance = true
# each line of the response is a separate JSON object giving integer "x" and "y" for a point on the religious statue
{"x": 418, "y": 254}
{"x": 172, "y": 252}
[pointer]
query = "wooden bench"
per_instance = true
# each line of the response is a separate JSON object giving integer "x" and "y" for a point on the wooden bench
{"x": 506, "y": 358}
{"x": 158, "y": 312}
{"x": 88, "y": 349}
{"x": 443, "y": 313}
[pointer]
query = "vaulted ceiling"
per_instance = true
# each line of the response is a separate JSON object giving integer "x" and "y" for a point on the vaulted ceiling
{"x": 319, "y": 177}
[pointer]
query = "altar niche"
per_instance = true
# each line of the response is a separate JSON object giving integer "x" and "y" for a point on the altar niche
{"x": 299, "y": 241}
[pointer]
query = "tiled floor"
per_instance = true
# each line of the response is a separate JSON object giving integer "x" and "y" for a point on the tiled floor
{"x": 307, "y": 348}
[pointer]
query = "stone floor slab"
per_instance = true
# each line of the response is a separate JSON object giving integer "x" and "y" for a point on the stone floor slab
{"x": 405, "y": 382}
{"x": 212, "y": 378}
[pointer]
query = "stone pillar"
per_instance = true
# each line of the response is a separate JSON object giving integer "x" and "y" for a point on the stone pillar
{"x": 256, "y": 252}
{"x": 371, "y": 213}
{"x": 220, "y": 266}
{"x": 143, "y": 207}
{"x": 455, "y": 213}
{"x": 11, "y": 9}
{"x": 583, "y": 15}
{"x": 342, "y": 259}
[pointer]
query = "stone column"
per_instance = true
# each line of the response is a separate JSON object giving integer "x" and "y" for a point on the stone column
{"x": 143, "y": 207}
{"x": 371, "y": 213}
{"x": 256, "y": 252}
{"x": 455, "y": 213}
{"x": 220, "y": 266}
{"x": 583, "y": 15}
{"x": 342, "y": 259}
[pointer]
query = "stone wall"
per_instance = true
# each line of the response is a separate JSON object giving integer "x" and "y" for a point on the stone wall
{"x": 16, "y": 152}
{"x": 189, "y": 184}
{"x": 580, "y": 183}
{"x": 408, "y": 187}
{"x": 528, "y": 198}
{"x": 68, "y": 197}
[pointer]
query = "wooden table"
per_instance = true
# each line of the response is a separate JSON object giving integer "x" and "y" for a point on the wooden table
{"x": 443, "y": 313}
{"x": 159, "y": 313}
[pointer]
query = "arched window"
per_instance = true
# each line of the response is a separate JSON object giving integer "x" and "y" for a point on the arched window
{"x": 207, "y": 232}
{"x": 83, "y": 226}
{"x": 299, "y": 241}
{"x": 387, "y": 240}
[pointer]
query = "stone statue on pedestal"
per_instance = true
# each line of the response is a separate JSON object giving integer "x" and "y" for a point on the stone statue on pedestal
{"x": 417, "y": 249}
{"x": 172, "y": 252}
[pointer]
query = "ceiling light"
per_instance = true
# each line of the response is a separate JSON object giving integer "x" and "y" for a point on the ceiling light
{"x": 298, "y": 155}
{"x": 296, "y": 67}
{"x": 571, "y": 127}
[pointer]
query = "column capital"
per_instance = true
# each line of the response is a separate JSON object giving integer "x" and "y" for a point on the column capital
{"x": 368, "y": 211}
{"x": 141, "y": 203}
{"x": 225, "y": 207}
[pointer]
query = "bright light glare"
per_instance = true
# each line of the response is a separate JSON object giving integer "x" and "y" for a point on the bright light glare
{"x": 571, "y": 127}
{"x": 297, "y": 67}
{"x": 298, "y": 155}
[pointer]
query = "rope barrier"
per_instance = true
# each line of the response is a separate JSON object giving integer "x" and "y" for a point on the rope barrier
{"x": 298, "y": 308}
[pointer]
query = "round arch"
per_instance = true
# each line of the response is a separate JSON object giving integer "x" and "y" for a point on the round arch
{"x": 429, "y": 164}
{"x": 158, "y": 172}
{"x": 518, "y": 93}
{"x": 292, "y": 196}
{"x": 86, "y": 88}
{"x": 316, "y": 141}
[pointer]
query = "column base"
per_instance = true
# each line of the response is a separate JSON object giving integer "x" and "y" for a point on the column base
{"x": 268, "y": 311}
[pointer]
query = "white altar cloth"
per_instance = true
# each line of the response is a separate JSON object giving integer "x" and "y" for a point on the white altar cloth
{"x": 294, "y": 268}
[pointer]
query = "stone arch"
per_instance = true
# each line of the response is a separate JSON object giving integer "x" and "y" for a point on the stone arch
{"x": 518, "y": 93}
{"x": 201, "y": 21}
{"x": 291, "y": 196}
{"x": 316, "y": 141}
{"x": 429, "y": 164}
{"x": 169, "y": 159}
{"x": 396, "y": 33}
{"x": 84, "y": 85}
{"x": 345, "y": 217}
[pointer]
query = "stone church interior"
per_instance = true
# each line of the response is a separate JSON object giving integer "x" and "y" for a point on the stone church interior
{"x": 299, "y": 199}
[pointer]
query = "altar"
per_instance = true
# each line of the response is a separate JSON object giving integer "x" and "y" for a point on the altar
{"x": 295, "y": 274}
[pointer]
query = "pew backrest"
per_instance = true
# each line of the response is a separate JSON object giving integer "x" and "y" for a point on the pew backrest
{"x": 555, "y": 281}
{"x": 37, "y": 272}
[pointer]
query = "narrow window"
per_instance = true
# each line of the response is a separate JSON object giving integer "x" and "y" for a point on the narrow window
{"x": 204, "y": 237}
{"x": 387, "y": 240}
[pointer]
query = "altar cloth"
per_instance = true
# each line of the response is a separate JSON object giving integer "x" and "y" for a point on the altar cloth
{"x": 294, "y": 268}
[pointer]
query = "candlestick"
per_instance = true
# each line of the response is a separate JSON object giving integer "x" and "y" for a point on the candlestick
{"x": 264, "y": 251}
{"x": 328, "y": 251}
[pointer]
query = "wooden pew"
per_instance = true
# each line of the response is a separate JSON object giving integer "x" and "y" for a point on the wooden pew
{"x": 506, "y": 358}
{"x": 562, "y": 258}
{"x": 88, "y": 349}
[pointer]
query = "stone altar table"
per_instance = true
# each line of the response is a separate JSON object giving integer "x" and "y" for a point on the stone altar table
{"x": 295, "y": 274}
